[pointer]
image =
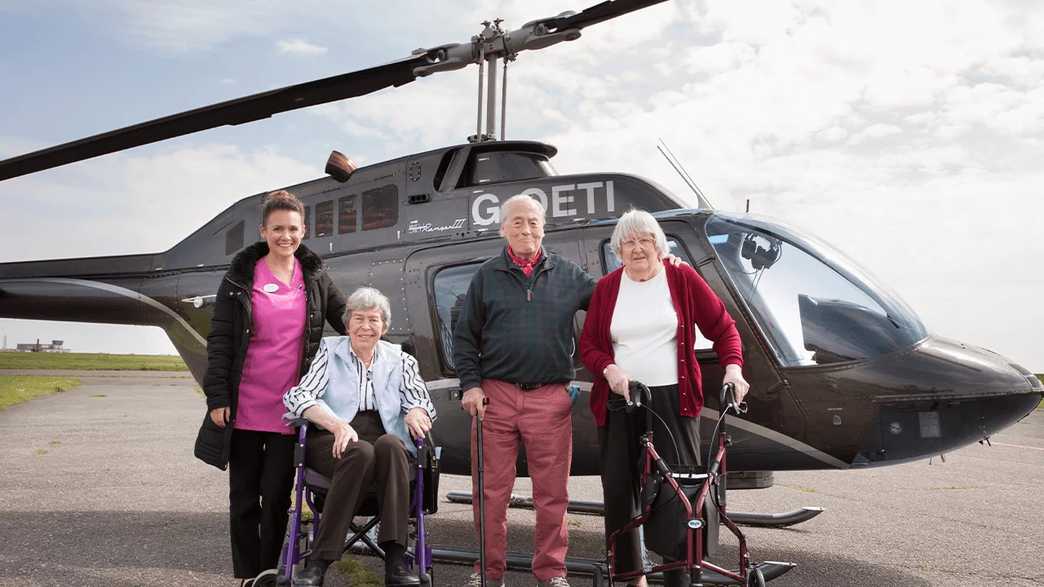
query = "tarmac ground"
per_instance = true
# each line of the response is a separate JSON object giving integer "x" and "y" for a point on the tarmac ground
{"x": 99, "y": 487}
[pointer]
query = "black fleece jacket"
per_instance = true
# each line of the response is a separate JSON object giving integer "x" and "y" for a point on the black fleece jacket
{"x": 517, "y": 328}
{"x": 230, "y": 329}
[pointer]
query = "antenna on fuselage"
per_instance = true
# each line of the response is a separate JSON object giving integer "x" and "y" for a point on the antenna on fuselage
{"x": 684, "y": 174}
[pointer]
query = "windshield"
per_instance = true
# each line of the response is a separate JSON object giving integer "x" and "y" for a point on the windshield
{"x": 815, "y": 305}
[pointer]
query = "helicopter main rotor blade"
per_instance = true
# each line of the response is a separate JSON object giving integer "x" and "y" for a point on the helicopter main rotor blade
{"x": 600, "y": 13}
{"x": 231, "y": 112}
{"x": 534, "y": 35}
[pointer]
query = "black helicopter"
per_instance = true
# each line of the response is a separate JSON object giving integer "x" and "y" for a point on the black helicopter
{"x": 843, "y": 373}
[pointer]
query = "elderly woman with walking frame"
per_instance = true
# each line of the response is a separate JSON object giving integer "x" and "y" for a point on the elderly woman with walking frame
{"x": 641, "y": 326}
{"x": 366, "y": 398}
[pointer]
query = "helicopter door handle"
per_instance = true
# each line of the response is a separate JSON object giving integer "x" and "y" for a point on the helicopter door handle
{"x": 199, "y": 301}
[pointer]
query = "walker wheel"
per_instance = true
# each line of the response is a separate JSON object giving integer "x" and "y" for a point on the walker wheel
{"x": 428, "y": 578}
{"x": 755, "y": 578}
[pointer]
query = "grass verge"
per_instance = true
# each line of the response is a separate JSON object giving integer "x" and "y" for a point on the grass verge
{"x": 91, "y": 362}
{"x": 15, "y": 390}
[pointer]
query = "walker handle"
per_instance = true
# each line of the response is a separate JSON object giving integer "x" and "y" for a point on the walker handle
{"x": 640, "y": 395}
{"x": 727, "y": 400}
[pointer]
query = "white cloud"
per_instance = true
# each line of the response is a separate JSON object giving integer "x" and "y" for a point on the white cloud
{"x": 299, "y": 47}
{"x": 186, "y": 25}
{"x": 138, "y": 203}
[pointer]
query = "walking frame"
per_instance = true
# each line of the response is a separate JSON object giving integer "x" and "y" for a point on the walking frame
{"x": 653, "y": 467}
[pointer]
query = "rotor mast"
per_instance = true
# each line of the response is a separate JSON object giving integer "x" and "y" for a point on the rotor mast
{"x": 489, "y": 41}
{"x": 486, "y": 49}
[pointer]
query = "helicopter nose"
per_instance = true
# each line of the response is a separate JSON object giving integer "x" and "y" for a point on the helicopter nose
{"x": 942, "y": 395}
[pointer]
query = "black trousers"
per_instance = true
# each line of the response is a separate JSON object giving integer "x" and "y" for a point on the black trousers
{"x": 621, "y": 467}
{"x": 377, "y": 462}
{"x": 260, "y": 476}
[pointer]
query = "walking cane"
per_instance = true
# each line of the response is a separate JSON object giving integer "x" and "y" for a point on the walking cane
{"x": 481, "y": 496}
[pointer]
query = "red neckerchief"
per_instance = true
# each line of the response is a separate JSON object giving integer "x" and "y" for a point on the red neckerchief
{"x": 526, "y": 265}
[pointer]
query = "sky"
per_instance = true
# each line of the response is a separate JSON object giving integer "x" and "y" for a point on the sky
{"x": 908, "y": 135}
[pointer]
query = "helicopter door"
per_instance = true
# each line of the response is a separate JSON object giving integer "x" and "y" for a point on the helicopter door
{"x": 435, "y": 283}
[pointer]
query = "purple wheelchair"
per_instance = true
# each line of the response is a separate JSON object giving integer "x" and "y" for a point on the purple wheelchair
{"x": 310, "y": 487}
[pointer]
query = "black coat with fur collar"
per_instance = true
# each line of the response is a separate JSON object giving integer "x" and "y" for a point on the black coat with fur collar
{"x": 230, "y": 330}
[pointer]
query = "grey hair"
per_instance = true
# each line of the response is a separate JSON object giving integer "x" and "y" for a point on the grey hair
{"x": 638, "y": 222}
{"x": 520, "y": 199}
{"x": 368, "y": 298}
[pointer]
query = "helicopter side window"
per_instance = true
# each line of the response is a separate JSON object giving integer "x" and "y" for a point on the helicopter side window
{"x": 347, "y": 214}
{"x": 611, "y": 263}
{"x": 815, "y": 306}
{"x": 380, "y": 207}
{"x": 324, "y": 216}
{"x": 451, "y": 287}
{"x": 497, "y": 166}
{"x": 307, "y": 221}
{"x": 234, "y": 238}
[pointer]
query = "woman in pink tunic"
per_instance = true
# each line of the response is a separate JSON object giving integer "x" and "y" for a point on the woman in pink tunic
{"x": 268, "y": 321}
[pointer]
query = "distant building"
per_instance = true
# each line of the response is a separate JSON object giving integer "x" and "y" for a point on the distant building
{"x": 56, "y": 346}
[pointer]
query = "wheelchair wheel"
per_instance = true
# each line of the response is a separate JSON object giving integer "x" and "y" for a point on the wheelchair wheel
{"x": 755, "y": 578}
{"x": 267, "y": 578}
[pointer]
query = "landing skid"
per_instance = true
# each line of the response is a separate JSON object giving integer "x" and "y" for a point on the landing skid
{"x": 594, "y": 568}
{"x": 595, "y": 508}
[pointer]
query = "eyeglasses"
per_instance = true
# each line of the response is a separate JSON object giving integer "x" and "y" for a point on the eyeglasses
{"x": 643, "y": 242}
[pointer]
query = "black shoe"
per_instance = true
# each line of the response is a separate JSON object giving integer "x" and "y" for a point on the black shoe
{"x": 399, "y": 575}
{"x": 311, "y": 575}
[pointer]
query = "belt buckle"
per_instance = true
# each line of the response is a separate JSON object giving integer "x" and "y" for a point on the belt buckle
{"x": 529, "y": 386}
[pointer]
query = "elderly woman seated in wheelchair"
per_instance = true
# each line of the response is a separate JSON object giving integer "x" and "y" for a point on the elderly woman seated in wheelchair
{"x": 366, "y": 399}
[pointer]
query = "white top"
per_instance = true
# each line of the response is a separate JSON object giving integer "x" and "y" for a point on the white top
{"x": 645, "y": 330}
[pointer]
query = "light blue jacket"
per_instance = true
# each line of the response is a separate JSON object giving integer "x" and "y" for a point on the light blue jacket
{"x": 334, "y": 378}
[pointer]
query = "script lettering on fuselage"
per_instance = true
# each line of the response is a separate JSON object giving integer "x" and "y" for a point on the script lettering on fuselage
{"x": 564, "y": 201}
{"x": 417, "y": 226}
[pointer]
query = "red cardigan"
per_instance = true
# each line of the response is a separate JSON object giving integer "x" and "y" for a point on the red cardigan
{"x": 694, "y": 303}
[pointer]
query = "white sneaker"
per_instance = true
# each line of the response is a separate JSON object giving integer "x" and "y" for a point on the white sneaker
{"x": 475, "y": 580}
{"x": 554, "y": 582}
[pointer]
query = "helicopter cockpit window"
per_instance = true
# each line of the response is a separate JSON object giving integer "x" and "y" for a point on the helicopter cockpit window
{"x": 451, "y": 287}
{"x": 380, "y": 207}
{"x": 496, "y": 166}
{"x": 815, "y": 306}
{"x": 324, "y": 217}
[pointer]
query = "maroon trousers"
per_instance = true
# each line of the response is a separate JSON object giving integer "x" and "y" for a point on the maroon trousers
{"x": 542, "y": 420}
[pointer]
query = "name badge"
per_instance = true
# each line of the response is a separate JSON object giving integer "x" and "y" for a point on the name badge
{"x": 270, "y": 288}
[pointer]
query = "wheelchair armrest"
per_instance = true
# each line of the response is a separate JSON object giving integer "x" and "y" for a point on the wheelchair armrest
{"x": 293, "y": 421}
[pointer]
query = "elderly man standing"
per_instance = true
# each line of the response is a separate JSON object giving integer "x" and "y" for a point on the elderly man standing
{"x": 513, "y": 345}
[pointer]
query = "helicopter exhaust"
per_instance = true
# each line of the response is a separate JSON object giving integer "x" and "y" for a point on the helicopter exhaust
{"x": 340, "y": 167}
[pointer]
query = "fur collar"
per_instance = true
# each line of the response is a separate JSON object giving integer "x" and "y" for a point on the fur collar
{"x": 242, "y": 268}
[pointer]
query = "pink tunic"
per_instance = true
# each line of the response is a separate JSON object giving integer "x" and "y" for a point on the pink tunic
{"x": 274, "y": 354}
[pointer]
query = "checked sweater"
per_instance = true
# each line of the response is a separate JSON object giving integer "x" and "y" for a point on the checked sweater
{"x": 520, "y": 329}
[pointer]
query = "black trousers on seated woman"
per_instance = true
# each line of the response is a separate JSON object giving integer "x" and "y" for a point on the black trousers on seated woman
{"x": 376, "y": 462}
{"x": 621, "y": 472}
